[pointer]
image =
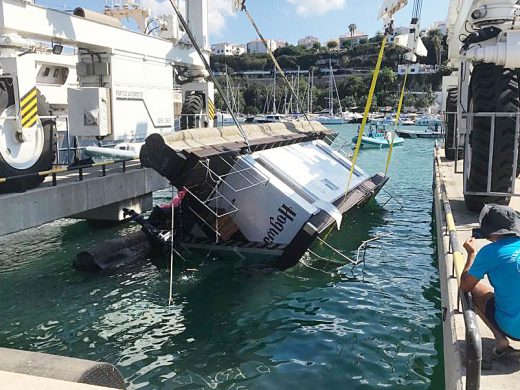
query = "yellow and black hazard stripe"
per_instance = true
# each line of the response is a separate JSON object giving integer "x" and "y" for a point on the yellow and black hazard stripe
{"x": 29, "y": 108}
{"x": 211, "y": 110}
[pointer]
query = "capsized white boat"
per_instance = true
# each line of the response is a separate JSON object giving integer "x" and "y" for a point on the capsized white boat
{"x": 273, "y": 200}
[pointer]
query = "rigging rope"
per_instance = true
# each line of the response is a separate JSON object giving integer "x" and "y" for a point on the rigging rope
{"x": 273, "y": 58}
{"x": 397, "y": 116}
{"x": 170, "y": 297}
{"x": 367, "y": 110}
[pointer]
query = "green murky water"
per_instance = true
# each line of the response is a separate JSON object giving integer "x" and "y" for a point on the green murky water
{"x": 319, "y": 325}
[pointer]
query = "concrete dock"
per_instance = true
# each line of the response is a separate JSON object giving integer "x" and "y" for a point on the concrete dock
{"x": 11, "y": 381}
{"x": 497, "y": 374}
{"x": 97, "y": 193}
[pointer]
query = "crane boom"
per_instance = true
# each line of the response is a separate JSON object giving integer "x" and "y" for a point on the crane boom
{"x": 411, "y": 41}
{"x": 390, "y": 8}
{"x": 36, "y": 22}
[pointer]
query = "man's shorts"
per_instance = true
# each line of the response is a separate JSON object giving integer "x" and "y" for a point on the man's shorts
{"x": 490, "y": 314}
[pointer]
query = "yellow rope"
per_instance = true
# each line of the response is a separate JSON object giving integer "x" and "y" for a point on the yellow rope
{"x": 398, "y": 115}
{"x": 367, "y": 110}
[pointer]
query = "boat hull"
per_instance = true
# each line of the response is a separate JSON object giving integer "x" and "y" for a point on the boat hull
{"x": 375, "y": 143}
{"x": 420, "y": 134}
{"x": 326, "y": 121}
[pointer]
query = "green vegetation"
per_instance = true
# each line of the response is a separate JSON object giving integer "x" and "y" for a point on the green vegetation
{"x": 254, "y": 96}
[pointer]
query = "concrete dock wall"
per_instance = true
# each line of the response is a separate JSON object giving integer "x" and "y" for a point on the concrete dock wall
{"x": 71, "y": 197}
{"x": 497, "y": 374}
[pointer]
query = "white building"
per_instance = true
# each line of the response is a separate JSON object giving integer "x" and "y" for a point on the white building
{"x": 257, "y": 46}
{"x": 353, "y": 39}
{"x": 439, "y": 26}
{"x": 308, "y": 42}
{"x": 417, "y": 69}
{"x": 228, "y": 49}
{"x": 280, "y": 44}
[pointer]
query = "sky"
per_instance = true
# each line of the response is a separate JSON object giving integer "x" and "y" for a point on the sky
{"x": 289, "y": 20}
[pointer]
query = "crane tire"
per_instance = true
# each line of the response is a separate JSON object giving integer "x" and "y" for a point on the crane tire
{"x": 451, "y": 106}
{"x": 492, "y": 89}
{"x": 45, "y": 160}
{"x": 193, "y": 105}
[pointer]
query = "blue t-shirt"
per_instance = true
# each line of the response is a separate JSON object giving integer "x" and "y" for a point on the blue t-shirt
{"x": 501, "y": 262}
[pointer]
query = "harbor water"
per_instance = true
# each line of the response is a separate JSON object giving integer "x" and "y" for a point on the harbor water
{"x": 319, "y": 325}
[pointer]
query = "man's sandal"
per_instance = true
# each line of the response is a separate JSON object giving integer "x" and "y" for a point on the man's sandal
{"x": 508, "y": 352}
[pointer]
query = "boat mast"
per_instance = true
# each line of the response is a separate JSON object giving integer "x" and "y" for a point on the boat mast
{"x": 331, "y": 89}
{"x": 312, "y": 88}
{"x": 274, "y": 92}
{"x": 337, "y": 95}
{"x": 227, "y": 84}
{"x": 298, "y": 91}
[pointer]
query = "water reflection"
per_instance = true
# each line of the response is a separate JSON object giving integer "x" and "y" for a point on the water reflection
{"x": 232, "y": 326}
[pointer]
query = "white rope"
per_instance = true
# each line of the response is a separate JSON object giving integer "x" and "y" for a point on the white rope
{"x": 172, "y": 251}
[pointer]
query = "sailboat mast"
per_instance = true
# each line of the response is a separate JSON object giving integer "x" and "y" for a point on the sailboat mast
{"x": 227, "y": 84}
{"x": 274, "y": 92}
{"x": 312, "y": 88}
{"x": 298, "y": 91}
{"x": 331, "y": 92}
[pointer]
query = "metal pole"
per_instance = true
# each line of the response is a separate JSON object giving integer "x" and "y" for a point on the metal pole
{"x": 515, "y": 158}
{"x": 211, "y": 74}
{"x": 298, "y": 90}
{"x": 491, "y": 153}
{"x": 274, "y": 91}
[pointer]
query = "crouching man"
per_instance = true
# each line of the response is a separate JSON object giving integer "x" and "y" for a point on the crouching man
{"x": 498, "y": 306}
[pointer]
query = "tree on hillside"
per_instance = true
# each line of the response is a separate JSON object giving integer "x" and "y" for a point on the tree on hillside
{"x": 332, "y": 44}
{"x": 352, "y": 28}
{"x": 387, "y": 83}
{"x": 437, "y": 47}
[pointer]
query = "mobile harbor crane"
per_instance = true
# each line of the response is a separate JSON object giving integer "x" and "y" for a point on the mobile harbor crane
{"x": 482, "y": 97}
{"x": 114, "y": 86}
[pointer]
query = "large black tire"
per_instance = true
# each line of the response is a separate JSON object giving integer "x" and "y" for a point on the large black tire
{"x": 46, "y": 159}
{"x": 492, "y": 89}
{"x": 451, "y": 122}
{"x": 193, "y": 106}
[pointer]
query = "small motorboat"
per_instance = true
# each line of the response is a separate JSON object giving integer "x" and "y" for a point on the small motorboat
{"x": 271, "y": 118}
{"x": 429, "y": 120}
{"x": 430, "y": 132}
{"x": 330, "y": 120}
{"x": 225, "y": 119}
{"x": 379, "y": 137}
